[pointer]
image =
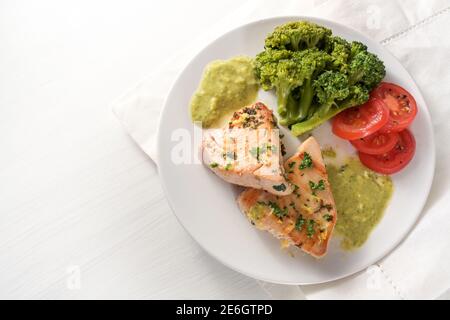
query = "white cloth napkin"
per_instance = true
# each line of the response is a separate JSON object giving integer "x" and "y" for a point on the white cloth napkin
{"x": 417, "y": 34}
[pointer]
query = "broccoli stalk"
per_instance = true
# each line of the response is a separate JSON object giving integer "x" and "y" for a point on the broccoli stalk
{"x": 334, "y": 99}
{"x": 321, "y": 116}
{"x": 314, "y": 121}
{"x": 310, "y": 63}
{"x": 284, "y": 88}
{"x": 297, "y": 109}
{"x": 288, "y": 77}
{"x": 306, "y": 98}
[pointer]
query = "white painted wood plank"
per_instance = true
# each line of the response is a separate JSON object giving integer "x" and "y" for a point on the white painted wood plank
{"x": 74, "y": 189}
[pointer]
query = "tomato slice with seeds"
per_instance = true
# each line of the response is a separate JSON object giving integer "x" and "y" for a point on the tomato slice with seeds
{"x": 361, "y": 121}
{"x": 394, "y": 160}
{"x": 401, "y": 104}
{"x": 377, "y": 143}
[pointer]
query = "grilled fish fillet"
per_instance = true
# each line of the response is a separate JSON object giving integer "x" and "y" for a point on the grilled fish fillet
{"x": 306, "y": 217}
{"x": 247, "y": 151}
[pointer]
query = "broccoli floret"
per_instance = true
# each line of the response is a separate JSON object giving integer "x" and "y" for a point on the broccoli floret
{"x": 298, "y": 35}
{"x": 340, "y": 51}
{"x": 367, "y": 69}
{"x": 331, "y": 87}
{"x": 286, "y": 71}
{"x": 266, "y": 64}
{"x": 278, "y": 69}
{"x": 316, "y": 75}
{"x": 357, "y": 47}
{"x": 358, "y": 95}
{"x": 354, "y": 60}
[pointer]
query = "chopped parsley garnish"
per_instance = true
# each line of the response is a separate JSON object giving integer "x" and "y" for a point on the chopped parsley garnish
{"x": 231, "y": 155}
{"x": 281, "y": 187}
{"x": 299, "y": 223}
{"x": 272, "y": 148}
{"x": 256, "y": 152}
{"x": 316, "y": 186}
{"x": 306, "y": 162}
{"x": 283, "y": 149}
{"x": 214, "y": 165}
{"x": 328, "y": 217}
{"x": 249, "y": 111}
{"x": 228, "y": 166}
{"x": 296, "y": 188}
{"x": 291, "y": 167}
{"x": 277, "y": 211}
{"x": 310, "y": 228}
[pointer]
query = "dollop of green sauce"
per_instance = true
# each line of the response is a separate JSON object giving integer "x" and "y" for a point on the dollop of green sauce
{"x": 226, "y": 86}
{"x": 361, "y": 197}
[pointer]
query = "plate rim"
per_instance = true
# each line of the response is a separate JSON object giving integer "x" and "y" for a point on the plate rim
{"x": 318, "y": 20}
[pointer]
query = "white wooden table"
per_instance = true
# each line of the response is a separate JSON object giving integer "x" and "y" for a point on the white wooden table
{"x": 82, "y": 212}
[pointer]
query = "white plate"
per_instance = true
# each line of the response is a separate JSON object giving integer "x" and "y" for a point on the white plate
{"x": 205, "y": 205}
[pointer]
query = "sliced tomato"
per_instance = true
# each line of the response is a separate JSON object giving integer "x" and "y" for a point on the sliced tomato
{"x": 376, "y": 143}
{"x": 394, "y": 160}
{"x": 401, "y": 104}
{"x": 361, "y": 121}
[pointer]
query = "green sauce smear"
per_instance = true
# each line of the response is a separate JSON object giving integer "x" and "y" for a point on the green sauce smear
{"x": 329, "y": 153}
{"x": 361, "y": 197}
{"x": 226, "y": 86}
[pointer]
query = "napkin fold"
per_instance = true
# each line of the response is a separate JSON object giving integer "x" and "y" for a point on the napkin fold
{"x": 419, "y": 268}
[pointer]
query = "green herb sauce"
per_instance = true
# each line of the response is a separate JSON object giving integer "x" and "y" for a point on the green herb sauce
{"x": 226, "y": 86}
{"x": 361, "y": 198}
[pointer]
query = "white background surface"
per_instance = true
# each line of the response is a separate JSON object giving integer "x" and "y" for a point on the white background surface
{"x": 74, "y": 188}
